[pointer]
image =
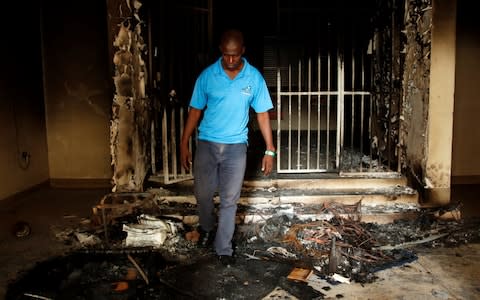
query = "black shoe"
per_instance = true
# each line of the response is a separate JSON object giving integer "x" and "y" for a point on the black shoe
{"x": 206, "y": 238}
{"x": 226, "y": 260}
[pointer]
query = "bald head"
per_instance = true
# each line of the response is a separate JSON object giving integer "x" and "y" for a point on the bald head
{"x": 232, "y": 36}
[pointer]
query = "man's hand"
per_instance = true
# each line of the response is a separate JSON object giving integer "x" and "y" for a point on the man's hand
{"x": 185, "y": 157}
{"x": 267, "y": 164}
{"x": 192, "y": 121}
{"x": 264, "y": 124}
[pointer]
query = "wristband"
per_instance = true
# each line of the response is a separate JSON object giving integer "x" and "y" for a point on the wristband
{"x": 271, "y": 153}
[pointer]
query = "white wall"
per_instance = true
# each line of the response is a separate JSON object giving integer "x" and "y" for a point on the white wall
{"x": 466, "y": 133}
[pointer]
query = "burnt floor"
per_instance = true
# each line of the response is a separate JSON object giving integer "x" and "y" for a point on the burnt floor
{"x": 441, "y": 273}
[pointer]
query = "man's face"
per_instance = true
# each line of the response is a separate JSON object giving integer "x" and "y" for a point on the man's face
{"x": 232, "y": 52}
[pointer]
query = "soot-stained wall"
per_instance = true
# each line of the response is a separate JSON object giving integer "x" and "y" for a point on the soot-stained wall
{"x": 416, "y": 82}
{"x": 77, "y": 89}
{"x": 129, "y": 129}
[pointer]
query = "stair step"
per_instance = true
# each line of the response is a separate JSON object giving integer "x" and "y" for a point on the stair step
{"x": 379, "y": 199}
{"x": 378, "y": 206}
{"x": 371, "y": 196}
{"x": 345, "y": 182}
{"x": 257, "y": 215}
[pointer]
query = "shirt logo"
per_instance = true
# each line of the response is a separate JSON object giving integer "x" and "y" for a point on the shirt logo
{"x": 247, "y": 90}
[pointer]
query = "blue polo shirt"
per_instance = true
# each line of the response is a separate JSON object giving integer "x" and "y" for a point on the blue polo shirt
{"x": 226, "y": 102}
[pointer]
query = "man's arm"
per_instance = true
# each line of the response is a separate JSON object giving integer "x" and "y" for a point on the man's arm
{"x": 192, "y": 121}
{"x": 264, "y": 124}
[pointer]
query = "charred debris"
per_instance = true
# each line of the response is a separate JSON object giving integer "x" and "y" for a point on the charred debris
{"x": 142, "y": 246}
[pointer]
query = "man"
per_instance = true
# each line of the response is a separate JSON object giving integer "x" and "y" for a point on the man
{"x": 224, "y": 93}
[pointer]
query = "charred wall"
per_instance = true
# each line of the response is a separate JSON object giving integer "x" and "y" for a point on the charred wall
{"x": 401, "y": 80}
{"x": 416, "y": 82}
{"x": 386, "y": 90}
{"x": 129, "y": 130}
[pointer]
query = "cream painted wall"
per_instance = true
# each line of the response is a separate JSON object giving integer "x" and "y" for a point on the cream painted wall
{"x": 437, "y": 173}
{"x": 22, "y": 114}
{"x": 466, "y": 133}
{"x": 78, "y": 140}
{"x": 78, "y": 92}
{"x": 59, "y": 116}
{"x": 22, "y": 128}
{"x": 441, "y": 99}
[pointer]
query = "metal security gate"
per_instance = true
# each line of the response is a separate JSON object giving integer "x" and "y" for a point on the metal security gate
{"x": 173, "y": 120}
{"x": 176, "y": 61}
{"x": 323, "y": 108}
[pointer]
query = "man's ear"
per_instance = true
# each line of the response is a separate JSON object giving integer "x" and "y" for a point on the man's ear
{"x": 243, "y": 50}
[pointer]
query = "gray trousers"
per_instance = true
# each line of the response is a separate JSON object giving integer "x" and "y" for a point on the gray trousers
{"x": 219, "y": 167}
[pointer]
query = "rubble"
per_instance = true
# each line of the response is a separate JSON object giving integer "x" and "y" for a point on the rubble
{"x": 307, "y": 252}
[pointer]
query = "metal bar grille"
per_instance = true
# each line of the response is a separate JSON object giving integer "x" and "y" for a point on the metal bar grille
{"x": 176, "y": 61}
{"x": 324, "y": 138}
{"x": 303, "y": 130}
{"x": 357, "y": 152}
{"x": 171, "y": 132}
{"x": 340, "y": 110}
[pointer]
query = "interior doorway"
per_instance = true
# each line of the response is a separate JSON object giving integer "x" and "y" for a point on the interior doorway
{"x": 316, "y": 59}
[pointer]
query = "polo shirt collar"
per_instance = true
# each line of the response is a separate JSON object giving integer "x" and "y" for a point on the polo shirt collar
{"x": 219, "y": 69}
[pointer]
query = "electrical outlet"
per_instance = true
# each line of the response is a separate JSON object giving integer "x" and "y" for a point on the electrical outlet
{"x": 24, "y": 159}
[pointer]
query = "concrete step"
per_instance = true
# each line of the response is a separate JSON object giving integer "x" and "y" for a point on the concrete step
{"x": 380, "y": 200}
{"x": 335, "y": 182}
{"x": 347, "y": 190}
